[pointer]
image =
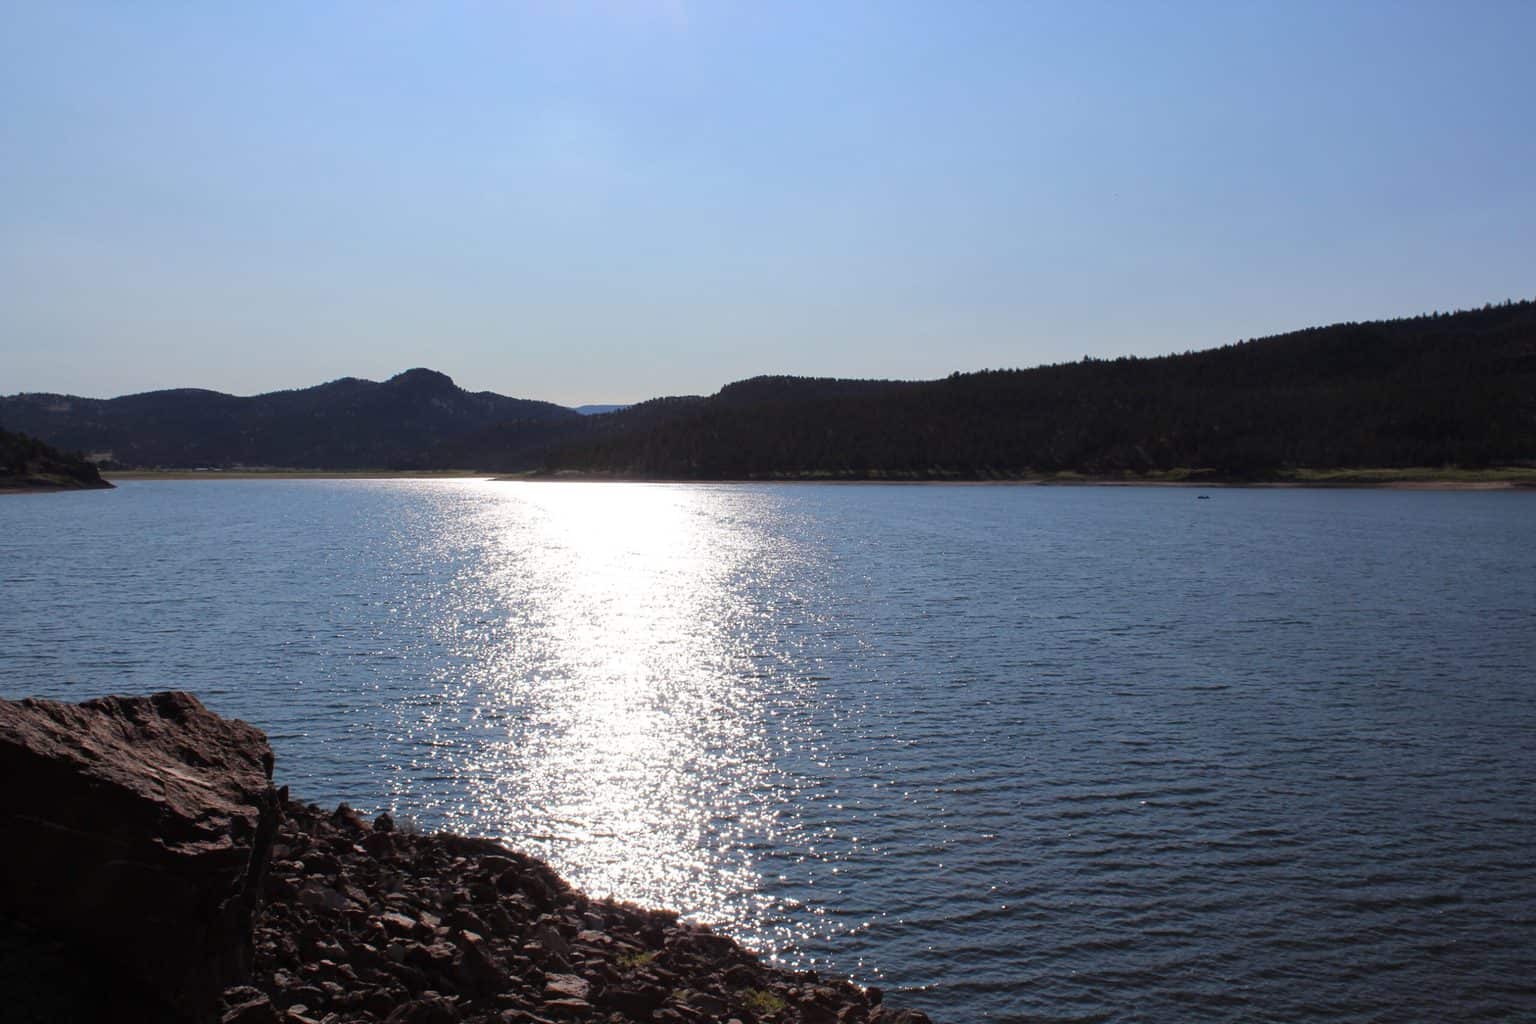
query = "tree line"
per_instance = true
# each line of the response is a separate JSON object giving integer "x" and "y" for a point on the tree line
{"x": 1440, "y": 389}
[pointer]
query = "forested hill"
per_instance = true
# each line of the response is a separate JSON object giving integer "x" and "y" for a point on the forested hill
{"x": 1446, "y": 389}
{"x": 28, "y": 464}
{"x": 346, "y": 424}
{"x": 1455, "y": 389}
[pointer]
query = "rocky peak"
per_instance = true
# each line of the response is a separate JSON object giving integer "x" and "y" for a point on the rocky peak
{"x": 421, "y": 379}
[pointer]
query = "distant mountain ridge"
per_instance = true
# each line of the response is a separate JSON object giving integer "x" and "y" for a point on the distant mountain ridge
{"x": 1448, "y": 389}
{"x": 1453, "y": 389}
{"x": 344, "y": 424}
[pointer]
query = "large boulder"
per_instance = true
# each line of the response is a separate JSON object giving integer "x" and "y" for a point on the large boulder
{"x": 139, "y": 829}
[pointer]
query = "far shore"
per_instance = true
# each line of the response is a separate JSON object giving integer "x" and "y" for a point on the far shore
{"x": 1409, "y": 479}
{"x": 1500, "y": 479}
{"x": 49, "y": 485}
{"x": 292, "y": 474}
{"x": 43, "y": 489}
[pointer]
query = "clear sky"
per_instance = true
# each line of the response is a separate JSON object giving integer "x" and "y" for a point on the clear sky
{"x": 606, "y": 201}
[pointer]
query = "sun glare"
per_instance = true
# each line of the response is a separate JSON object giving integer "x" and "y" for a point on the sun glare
{"x": 627, "y": 753}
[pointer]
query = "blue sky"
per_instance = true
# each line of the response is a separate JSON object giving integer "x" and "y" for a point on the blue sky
{"x": 608, "y": 201}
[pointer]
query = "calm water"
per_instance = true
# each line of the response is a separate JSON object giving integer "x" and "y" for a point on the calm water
{"x": 1023, "y": 754}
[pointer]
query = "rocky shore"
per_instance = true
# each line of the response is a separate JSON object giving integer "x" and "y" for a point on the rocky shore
{"x": 150, "y": 861}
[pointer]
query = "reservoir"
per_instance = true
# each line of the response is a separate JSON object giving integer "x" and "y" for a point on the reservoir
{"x": 1017, "y": 753}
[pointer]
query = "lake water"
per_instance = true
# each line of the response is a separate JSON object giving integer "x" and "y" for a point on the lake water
{"x": 1027, "y": 754}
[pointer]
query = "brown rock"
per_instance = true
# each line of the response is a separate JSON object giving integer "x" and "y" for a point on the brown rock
{"x": 548, "y": 936}
{"x": 437, "y": 955}
{"x": 398, "y": 925}
{"x": 477, "y": 972}
{"x": 500, "y": 921}
{"x": 255, "y": 1008}
{"x": 380, "y": 845}
{"x": 139, "y": 826}
{"x": 565, "y": 986}
{"x": 567, "y": 1007}
{"x": 886, "y": 1015}
{"x": 429, "y": 1008}
{"x": 468, "y": 921}
{"x": 347, "y": 818}
{"x": 382, "y": 1002}
{"x": 493, "y": 865}
{"x": 322, "y": 897}
{"x": 706, "y": 1002}
{"x": 817, "y": 1013}
{"x": 306, "y": 995}
{"x": 636, "y": 999}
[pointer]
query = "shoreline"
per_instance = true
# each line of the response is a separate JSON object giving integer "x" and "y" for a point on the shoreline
{"x": 1503, "y": 479}
{"x": 243, "y": 905}
{"x": 442, "y": 923}
{"x": 1228, "y": 485}
{"x": 292, "y": 474}
{"x": 46, "y": 485}
{"x": 46, "y": 489}
{"x": 1416, "y": 479}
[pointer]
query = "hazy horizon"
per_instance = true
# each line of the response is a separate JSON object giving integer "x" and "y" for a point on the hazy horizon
{"x": 605, "y": 202}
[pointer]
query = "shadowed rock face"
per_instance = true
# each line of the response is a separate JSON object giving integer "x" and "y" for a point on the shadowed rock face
{"x": 138, "y": 828}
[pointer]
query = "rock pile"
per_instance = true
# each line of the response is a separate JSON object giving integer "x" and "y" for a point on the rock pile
{"x": 149, "y": 871}
{"x": 366, "y": 923}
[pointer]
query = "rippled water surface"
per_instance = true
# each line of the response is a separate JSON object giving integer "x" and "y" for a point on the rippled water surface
{"x": 1088, "y": 754}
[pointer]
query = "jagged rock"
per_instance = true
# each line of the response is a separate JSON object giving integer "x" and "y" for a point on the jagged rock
{"x": 886, "y": 1015}
{"x": 567, "y": 1007}
{"x": 317, "y": 896}
{"x": 523, "y": 1016}
{"x": 816, "y": 1013}
{"x": 429, "y": 1008}
{"x": 636, "y": 1000}
{"x": 248, "y": 1006}
{"x": 398, "y": 925}
{"x": 139, "y": 827}
{"x": 705, "y": 1002}
{"x": 565, "y": 986}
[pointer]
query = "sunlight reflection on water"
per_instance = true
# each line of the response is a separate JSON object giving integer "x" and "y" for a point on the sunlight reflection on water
{"x": 620, "y": 714}
{"x": 1011, "y": 753}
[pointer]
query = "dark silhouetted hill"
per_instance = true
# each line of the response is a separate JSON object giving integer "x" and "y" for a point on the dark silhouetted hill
{"x": 28, "y": 464}
{"x": 1444, "y": 389}
{"x": 1454, "y": 389}
{"x": 345, "y": 424}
